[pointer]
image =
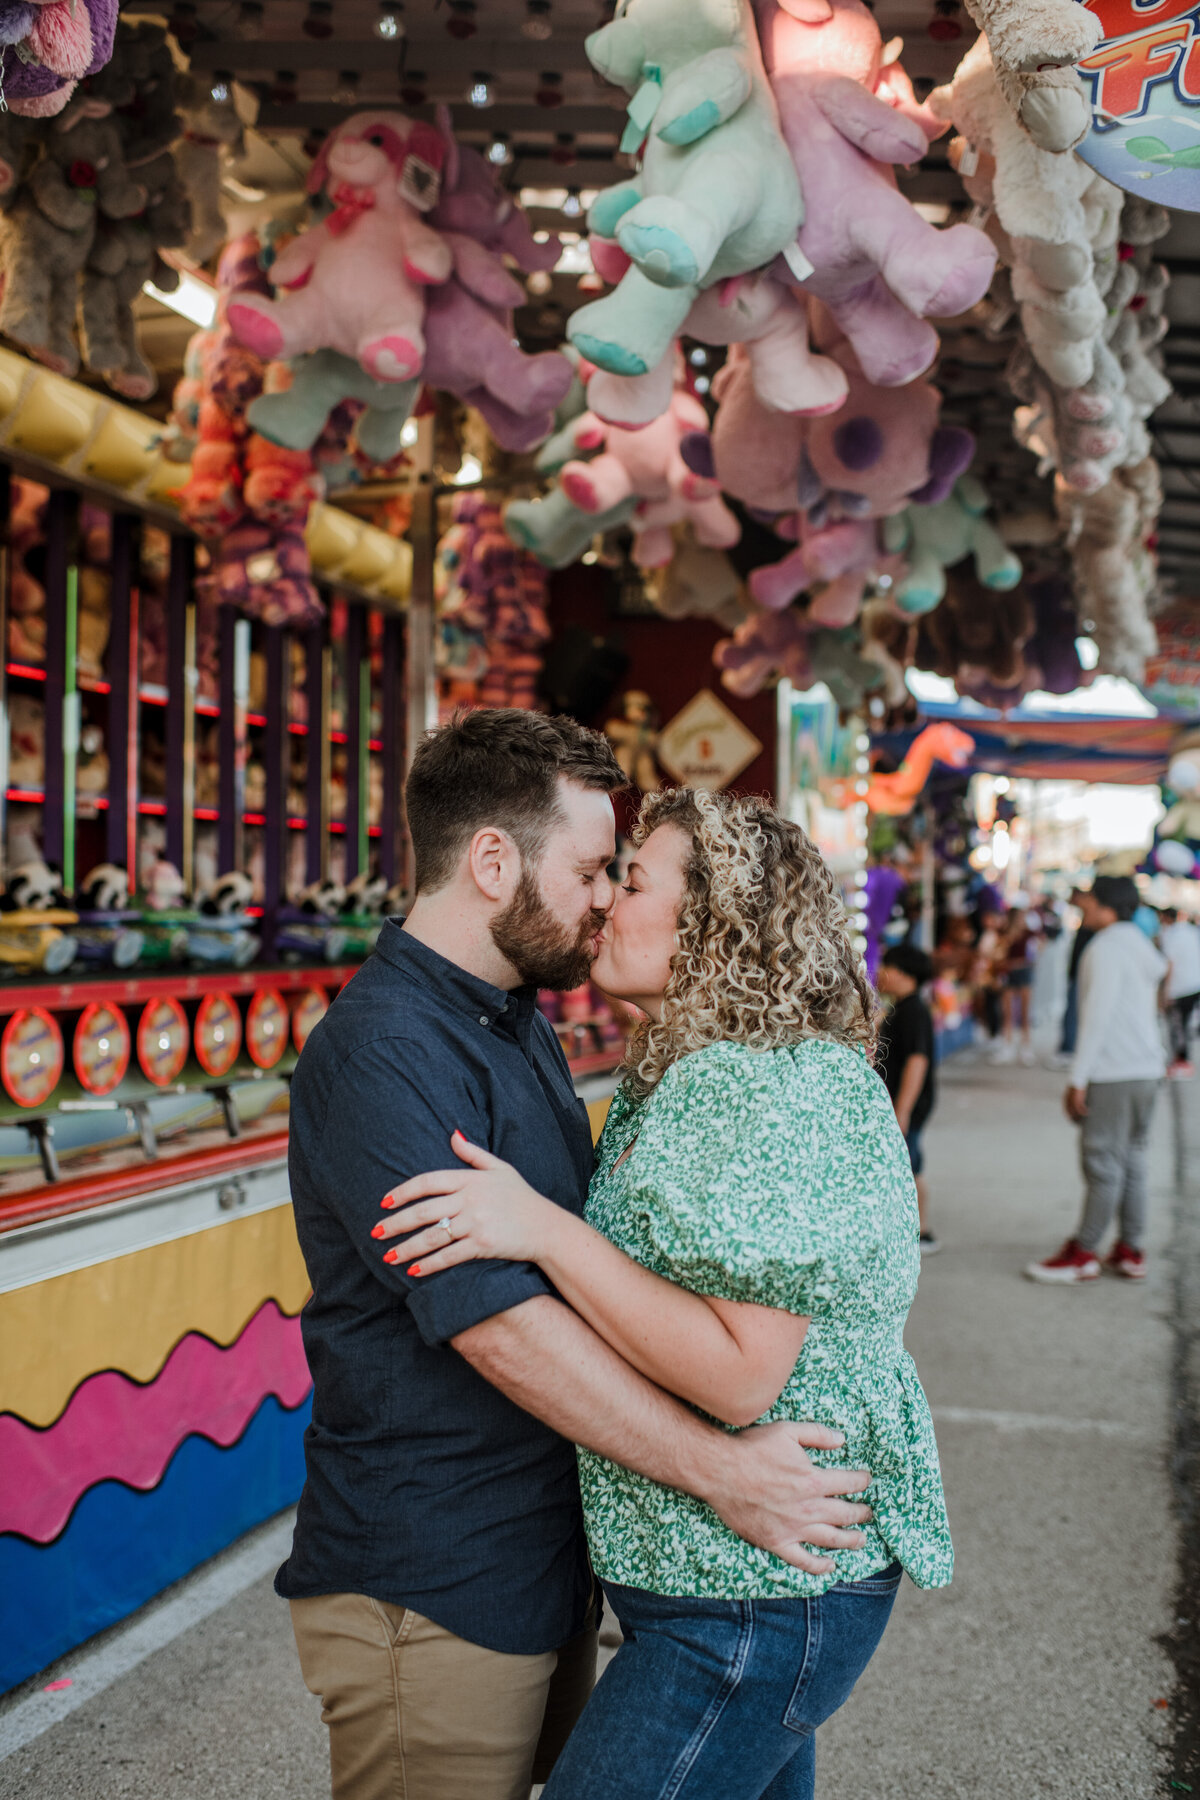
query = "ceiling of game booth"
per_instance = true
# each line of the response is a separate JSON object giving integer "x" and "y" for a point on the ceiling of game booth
{"x": 300, "y": 65}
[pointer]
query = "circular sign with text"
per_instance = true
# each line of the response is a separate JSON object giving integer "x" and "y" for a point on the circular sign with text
{"x": 101, "y": 1047}
{"x": 31, "y": 1056}
{"x": 1144, "y": 81}
{"x": 266, "y": 1028}
{"x": 163, "y": 1041}
{"x": 312, "y": 1005}
{"x": 217, "y": 1033}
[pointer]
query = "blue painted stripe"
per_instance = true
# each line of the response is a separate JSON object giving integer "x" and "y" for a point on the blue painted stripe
{"x": 123, "y": 1547}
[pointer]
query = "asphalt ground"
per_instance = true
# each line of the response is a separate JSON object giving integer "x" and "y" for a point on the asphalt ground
{"x": 1062, "y": 1661}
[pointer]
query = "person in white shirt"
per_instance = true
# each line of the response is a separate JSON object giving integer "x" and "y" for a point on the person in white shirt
{"x": 1180, "y": 942}
{"x": 1118, "y": 1067}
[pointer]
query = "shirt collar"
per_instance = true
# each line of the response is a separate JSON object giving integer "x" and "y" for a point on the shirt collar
{"x": 484, "y": 1004}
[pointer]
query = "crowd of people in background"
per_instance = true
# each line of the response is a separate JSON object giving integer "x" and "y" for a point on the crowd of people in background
{"x": 1120, "y": 1021}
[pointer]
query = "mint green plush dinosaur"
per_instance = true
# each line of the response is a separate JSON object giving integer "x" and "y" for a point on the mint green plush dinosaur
{"x": 321, "y": 380}
{"x": 716, "y": 195}
{"x": 558, "y": 532}
{"x": 936, "y": 537}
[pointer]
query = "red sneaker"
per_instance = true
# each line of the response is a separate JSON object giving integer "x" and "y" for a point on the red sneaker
{"x": 1072, "y": 1264}
{"x": 1123, "y": 1259}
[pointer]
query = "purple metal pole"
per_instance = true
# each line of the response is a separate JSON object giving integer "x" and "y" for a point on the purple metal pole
{"x": 5, "y": 582}
{"x": 275, "y": 762}
{"x": 179, "y": 592}
{"x": 391, "y": 852}
{"x": 356, "y": 731}
{"x": 228, "y": 796}
{"x": 61, "y": 515}
{"x": 120, "y": 669}
{"x": 315, "y": 831}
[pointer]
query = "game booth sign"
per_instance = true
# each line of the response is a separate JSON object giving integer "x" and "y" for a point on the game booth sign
{"x": 1144, "y": 78}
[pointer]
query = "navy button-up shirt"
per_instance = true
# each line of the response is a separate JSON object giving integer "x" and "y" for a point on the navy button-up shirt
{"x": 425, "y": 1486}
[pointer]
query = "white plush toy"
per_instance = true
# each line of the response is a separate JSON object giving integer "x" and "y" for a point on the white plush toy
{"x": 1035, "y": 45}
{"x": 1115, "y": 571}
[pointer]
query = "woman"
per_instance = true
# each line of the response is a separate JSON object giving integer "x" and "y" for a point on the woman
{"x": 751, "y": 1245}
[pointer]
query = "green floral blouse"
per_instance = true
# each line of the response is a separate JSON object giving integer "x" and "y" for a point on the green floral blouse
{"x": 778, "y": 1177}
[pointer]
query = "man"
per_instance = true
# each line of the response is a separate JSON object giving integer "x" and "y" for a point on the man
{"x": 905, "y": 1060}
{"x": 1070, "y": 1018}
{"x": 440, "y": 1590}
{"x": 1180, "y": 944}
{"x": 1115, "y": 1078}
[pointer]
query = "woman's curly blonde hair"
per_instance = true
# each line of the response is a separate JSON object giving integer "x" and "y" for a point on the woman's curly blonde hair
{"x": 764, "y": 954}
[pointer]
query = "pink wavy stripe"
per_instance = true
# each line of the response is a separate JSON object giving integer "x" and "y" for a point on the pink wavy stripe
{"x": 113, "y": 1429}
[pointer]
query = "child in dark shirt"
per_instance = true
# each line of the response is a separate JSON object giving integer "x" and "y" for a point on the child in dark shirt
{"x": 905, "y": 1060}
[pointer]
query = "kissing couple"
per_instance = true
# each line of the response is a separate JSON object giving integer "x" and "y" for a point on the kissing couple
{"x": 668, "y": 1373}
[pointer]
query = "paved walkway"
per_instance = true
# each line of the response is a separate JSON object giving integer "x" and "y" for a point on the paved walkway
{"x": 1040, "y": 1672}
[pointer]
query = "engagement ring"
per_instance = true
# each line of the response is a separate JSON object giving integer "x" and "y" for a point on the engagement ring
{"x": 444, "y": 1225}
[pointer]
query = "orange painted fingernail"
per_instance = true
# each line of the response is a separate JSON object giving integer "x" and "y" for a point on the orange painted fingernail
{"x": 379, "y": 1231}
{"x": 393, "y": 1256}
{"x": 413, "y": 1269}
{"x": 388, "y": 1201}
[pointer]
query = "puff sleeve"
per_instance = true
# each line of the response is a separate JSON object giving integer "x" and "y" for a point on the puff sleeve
{"x": 746, "y": 1186}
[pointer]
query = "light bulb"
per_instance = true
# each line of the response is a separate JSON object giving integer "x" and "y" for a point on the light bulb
{"x": 537, "y": 21}
{"x": 572, "y": 206}
{"x": 222, "y": 84}
{"x": 410, "y": 434}
{"x": 479, "y": 93}
{"x": 470, "y": 471}
{"x": 698, "y": 357}
{"x": 499, "y": 151}
{"x": 390, "y": 24}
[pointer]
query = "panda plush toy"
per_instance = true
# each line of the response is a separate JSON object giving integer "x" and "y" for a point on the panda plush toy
{"x": 105, "y": 890}
{"x": 366, "y": 896}
{"x": 309, "y": 929}
{"x": 229, "y": 894}
{"x": 34, "y": 887}
{"x": 105, "y": 938}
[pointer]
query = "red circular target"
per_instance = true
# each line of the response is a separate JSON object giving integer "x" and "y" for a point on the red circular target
{"x": 162, "y": 1040}
{"x": 312, "y": 1006}
{"x": 31, "y": 1056}
{"x": 217, "y": 1033}
{"x": 266, "y": 1028}
{"x": 101, "y": 1047}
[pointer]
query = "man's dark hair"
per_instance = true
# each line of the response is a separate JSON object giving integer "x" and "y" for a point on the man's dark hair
{"x": 498, "y": 766}
{"x": 1120, "y": 892}
{"x": 911, "y": 961}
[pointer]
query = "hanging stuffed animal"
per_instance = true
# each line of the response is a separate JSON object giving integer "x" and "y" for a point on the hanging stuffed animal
{"x": 212, "y": 131}
{"x": 1035, "y": 48}
{"x": 646, "y": 466}
{"x": 1113, "y": 564}
{"x": 47, "y": 47}
{"x": 863, "y": 248}
{"x": 936, "y": 537}
{"x": 356, "y": 282}
{"x": 760, "y": 311}
{"x": 47, "y": 235}
{"x": 716, "y": 194}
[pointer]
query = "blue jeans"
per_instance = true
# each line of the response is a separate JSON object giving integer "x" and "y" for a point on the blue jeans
{"x": 720, "y": 1699}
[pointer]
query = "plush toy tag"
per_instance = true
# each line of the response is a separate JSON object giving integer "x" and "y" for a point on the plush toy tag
{"x": 421, "y": 181}
{"x": 797, "y": 262}
{"x": 968, "y": 161}
{"x": 641, "y": 109}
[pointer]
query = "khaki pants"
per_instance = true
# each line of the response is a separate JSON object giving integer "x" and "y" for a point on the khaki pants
{"x": 415, "y": 1713}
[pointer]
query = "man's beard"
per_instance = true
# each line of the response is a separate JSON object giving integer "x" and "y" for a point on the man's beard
{"x": 544, "y": 952}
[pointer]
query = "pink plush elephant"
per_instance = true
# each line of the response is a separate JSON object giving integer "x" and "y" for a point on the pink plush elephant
{"x": 646, "y": 465}
{"x": 470, "y": 346}
{"x": 356, "y": 282}
{"x": 846, "y": 115}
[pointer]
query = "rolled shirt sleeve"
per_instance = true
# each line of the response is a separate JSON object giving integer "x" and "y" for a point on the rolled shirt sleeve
{"x": 361, "y": 1160}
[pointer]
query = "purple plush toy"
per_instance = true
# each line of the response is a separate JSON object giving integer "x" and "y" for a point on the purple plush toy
{"x": 470, "y": 349}
{"x": 63, "y": 42}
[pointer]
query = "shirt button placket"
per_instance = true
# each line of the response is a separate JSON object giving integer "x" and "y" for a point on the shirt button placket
{"x": 484, "y": 1020}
